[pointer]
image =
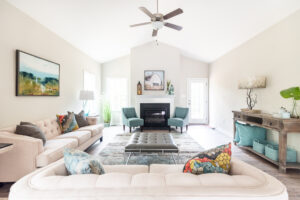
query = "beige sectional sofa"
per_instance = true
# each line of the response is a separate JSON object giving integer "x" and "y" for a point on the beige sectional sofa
{"x": 156, "y": 182}
{"x": 29, "y": 153}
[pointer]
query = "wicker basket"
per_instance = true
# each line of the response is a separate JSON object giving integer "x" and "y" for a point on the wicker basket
{"x": 259, "y": 145}
{"x": 271, "y": 151}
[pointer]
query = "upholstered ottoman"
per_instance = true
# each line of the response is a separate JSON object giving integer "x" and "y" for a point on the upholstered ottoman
{"x": 151, "y": 143}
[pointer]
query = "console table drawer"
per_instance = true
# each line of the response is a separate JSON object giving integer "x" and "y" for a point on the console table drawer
{"x": 271, "y": 123}
{"x": 238, "y": 116}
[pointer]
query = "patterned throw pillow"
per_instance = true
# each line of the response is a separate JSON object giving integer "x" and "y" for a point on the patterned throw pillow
{"x": 216, "y": 160}
{"x": 79, "y": 162}
{"x": 67, "y": 123}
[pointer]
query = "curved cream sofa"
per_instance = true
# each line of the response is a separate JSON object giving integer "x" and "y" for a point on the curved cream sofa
{"x": 157, "y": 182}
{"x": 28, "y": 153}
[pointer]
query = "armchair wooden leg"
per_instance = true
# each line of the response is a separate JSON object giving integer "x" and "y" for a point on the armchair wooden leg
{"x": 101, "y": 139}
{"x": 141, "y": 127}
{"x": 187, "y": 127}
{"x": 130, "y": 129}
{"x": 169, "y": 128}
{"x": 123, "y": 127}
{"x": 181, "y": 129}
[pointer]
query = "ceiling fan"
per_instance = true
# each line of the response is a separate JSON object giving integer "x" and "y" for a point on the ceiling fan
{"x": 158, "y": 19}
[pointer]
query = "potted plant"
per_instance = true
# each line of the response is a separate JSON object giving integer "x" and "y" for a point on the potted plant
{"x": 106, "y": 114}
{"x": 293, "y": 93}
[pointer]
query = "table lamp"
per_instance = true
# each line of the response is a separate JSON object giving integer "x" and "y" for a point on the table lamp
{"x": 251, "y": 83}
{"x": 85, "y": 96}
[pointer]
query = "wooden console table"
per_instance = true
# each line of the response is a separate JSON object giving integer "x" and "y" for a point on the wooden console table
{"x": 282, "y": 126}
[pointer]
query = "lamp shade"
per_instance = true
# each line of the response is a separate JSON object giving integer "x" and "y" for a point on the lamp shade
{"x": 253, "y": 82}
{"x": 86, "y": 95}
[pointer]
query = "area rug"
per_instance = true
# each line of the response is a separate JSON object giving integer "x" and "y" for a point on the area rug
{"x": 113, "y": 152}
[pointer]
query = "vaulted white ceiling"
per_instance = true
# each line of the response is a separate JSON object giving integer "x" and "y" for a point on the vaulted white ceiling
{"x": 211, "y": 28}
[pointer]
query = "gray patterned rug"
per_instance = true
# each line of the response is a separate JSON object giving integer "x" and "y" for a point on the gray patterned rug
{"x": 113, "y": 152}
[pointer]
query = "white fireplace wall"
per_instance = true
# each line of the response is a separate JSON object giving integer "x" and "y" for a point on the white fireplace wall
{"x": 178, "y": 68}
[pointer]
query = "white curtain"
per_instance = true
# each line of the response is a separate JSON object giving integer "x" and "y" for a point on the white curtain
{"x": 117, "y": 96}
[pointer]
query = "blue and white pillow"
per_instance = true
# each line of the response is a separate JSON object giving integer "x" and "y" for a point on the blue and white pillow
{"x": 79, "y": 162}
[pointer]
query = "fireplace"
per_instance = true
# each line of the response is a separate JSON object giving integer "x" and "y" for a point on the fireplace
{"x": 155, "y": 114}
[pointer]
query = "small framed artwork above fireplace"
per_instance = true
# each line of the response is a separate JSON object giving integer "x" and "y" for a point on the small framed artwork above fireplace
{"x": 154, "y": 80}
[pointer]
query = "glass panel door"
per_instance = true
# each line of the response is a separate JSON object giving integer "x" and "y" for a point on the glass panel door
{"x": 197, "y": 100}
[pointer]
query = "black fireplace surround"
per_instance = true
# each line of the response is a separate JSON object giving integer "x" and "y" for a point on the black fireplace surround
{"x": 155, "y": 114}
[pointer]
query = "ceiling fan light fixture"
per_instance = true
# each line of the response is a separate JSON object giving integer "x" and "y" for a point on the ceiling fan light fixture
{"x": 157, "y": 25}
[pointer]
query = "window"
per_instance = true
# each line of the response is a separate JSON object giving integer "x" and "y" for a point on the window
{"x": 89, "y": 83}
{"x": 117, "y": 96}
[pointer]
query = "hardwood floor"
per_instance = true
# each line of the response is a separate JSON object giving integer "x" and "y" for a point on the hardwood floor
{"x": 209, "y": 138}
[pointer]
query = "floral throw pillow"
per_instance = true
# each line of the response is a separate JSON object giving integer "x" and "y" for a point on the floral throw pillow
{"x": 79, "y": 162}
{"x": 216, "y": 160}
{"x": 67, "y": 123}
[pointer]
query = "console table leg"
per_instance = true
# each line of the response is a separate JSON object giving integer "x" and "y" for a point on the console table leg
{"x": 282, "y": 151}
{"x": 234, "y": 131}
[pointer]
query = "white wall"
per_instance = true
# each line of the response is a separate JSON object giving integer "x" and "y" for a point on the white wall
{"x": 149, "y": 56}
{"x": 274, "y": 53}
{"x": 117, "y": 68}
{"x": 19, "y": 31}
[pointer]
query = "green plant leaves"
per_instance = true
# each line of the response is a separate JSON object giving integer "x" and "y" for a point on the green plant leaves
{"x": 293, "y": 92}
{"x": 106, "y": 112}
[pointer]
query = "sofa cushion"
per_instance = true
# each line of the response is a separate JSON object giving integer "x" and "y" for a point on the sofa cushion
{"x": 79, "y": 162}
{"x": 216, "y": 160}
{"x": 129, "y": 112}
{"x": 49, "y": 127}
{"x": 81, "y": 136}
{"x": 181, "y": 112}
{"x": 53, "y": 150}
{"x": 67, "y": 123}
{"x": 31, "y": 130}
{"x": 94, "y": 129}
{"x": 135, "y": 122}
{"x": 175, "y": 122}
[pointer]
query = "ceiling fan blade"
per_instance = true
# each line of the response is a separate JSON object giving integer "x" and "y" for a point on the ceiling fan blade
{"x": 147, "y": 12}
{"x": 173, "y": 13}
{"x": 173, "y": 26}
{"x": 140, "y": 24}
{"x": 154, "y": 33}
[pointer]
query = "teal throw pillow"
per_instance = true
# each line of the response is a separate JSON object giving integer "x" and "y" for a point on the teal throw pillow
{"x": 247, "y": 134}
{"x": 79, "y": 162}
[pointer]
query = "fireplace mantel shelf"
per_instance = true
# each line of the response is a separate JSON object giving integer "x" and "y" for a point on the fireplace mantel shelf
{"x": 156, "y": 96}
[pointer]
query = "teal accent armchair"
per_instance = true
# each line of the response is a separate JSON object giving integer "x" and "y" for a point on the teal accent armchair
{"x": 130, "y": 119}
{"x": 180, "y": 118}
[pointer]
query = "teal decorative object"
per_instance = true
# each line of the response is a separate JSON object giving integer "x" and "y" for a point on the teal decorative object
{"x": 293, "y": 93}
{"x": 259, "y": 145}
{"x": 170, "y": 88}
{"x": 271, "y": 151}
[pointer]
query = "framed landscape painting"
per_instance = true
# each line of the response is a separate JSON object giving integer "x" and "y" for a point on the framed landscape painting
{"x": 154, "y": 80}
{"x": 36, "y": 76}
